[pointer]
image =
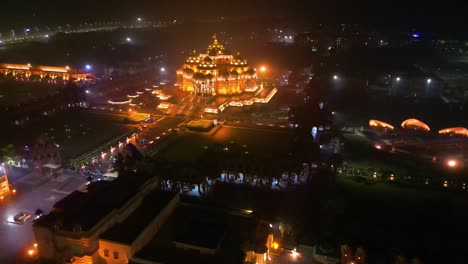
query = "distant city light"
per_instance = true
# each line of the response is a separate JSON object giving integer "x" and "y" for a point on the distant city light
{"x": 335, "y": 77}
{"x": 46, "y": 36}
{"x": 139, "y": 19}
{"x": 129, "y": 39}
{"x": 415, "y": 35}
{"x": 398, "y": 79}
{"x": 88, "y": 67}
{"x": 163, "y": 69}
{"x": 87, "y": 91}
{"x": 429, "y": 81}
{"x": 263, "y": 69}
{"x": 452, "y": 163}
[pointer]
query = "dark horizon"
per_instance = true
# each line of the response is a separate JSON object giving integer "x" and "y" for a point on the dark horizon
{"x": 392, "y": 14}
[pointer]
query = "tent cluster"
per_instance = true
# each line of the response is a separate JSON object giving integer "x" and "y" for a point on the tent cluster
{"x": 419, "y": 125}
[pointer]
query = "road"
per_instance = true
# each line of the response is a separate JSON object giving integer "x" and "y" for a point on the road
{"x": 33, "y": 193}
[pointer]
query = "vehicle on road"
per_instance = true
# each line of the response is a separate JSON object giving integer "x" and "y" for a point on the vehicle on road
{"x": 21, "y": 217}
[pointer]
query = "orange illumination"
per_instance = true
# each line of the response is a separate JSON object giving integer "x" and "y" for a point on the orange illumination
{"x": 1, "y": 197}
{"x": 377, "y": 123}
{"x": 414, "y": 123}
{"x": 14, "y": 190}
{"x": 30, "y": 252}
{"x": 455, "y": 130}
{"x": 452, "y": 163}
{"x": 275, "y": 245}
{"x": 263, "y": 69}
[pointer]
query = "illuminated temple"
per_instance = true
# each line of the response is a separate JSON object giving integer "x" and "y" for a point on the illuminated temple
{"x": 217, "y": 72}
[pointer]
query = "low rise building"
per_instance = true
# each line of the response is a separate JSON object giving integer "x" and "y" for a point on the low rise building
{"x": 130, "y": 220}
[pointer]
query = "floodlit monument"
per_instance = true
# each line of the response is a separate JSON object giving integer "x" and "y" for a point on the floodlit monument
{"x": 217, "y": 72}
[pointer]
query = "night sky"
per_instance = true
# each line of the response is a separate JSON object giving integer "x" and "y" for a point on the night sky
{"x": 443, "y": 14}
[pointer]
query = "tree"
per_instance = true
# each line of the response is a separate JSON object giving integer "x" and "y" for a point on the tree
{"x": 8, "y": 154}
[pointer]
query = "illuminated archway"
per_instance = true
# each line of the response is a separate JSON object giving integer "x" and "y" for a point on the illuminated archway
{"x": 377, "y": 123}
{"x": 455, "y": 130}
{"x": 415, "y": 124}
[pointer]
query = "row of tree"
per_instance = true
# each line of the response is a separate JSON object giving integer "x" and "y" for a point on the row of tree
{"x": 231, "y": 159}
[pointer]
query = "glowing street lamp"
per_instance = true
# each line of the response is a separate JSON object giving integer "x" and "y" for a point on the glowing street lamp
{"x": 263, "y": 69}
{"x": 163, "y": 69}
{"x": 275, "y": 245}
{"x": 88, "y": 67}
{"x": 429, "y": 81}
{"x": 335, "y": 77}
{"x": 452, "y": 163}
{"x": 139, "y": 19}
{"x": 398, "y": 79}
{"x": 129, "y": 40}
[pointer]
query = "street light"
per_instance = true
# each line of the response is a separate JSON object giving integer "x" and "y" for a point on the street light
{"x": 263, "y": 69}
{"x": 398, "y": 79}
{"x": 88, "y": 67}
{"x": 139, "y": 19}
{"x": 452, "y": 163}
{"x": 335, "y": 77}
{"x": 429, "y": 81}
{"x": 129, "y": 39}
{"x": 163, "y": 69}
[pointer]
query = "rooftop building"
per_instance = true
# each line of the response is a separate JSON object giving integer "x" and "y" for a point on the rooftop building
{"x": 130, "y": 220}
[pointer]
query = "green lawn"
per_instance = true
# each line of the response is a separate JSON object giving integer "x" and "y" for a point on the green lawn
{"x": 75, "y": 131}
{"x": 262, "y": 143}
{"x": 428, "y": 223}
{"x": 12, "y": 92}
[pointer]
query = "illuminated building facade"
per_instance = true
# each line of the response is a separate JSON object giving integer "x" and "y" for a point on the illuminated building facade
{"x": 217, "y": 72}
{"x": 27, "y": 72}
{"x": 4, "y": 184}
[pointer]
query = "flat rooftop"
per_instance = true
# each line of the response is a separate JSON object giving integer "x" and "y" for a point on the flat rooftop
{"x": 200, "y": 226}
{"x": 127, "y": 231}
{"x": 86, "y": 209}
{"x": 200, "y": 123}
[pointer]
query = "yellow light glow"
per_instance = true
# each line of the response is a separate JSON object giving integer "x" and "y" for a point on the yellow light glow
{"x": 275, "y": 245}
{"x": 452, "y": 163}
{"x": 263, "y": 69}
{"x": 377, "y": 123}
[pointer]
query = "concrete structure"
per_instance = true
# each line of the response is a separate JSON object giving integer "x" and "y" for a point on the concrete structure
{"x": 217, "y": 72}
{"x": 43, "y": 152}
{"x": 27, "y": 71}
{"x": 130, "y": 220}
{"x": 70, "y": 232}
